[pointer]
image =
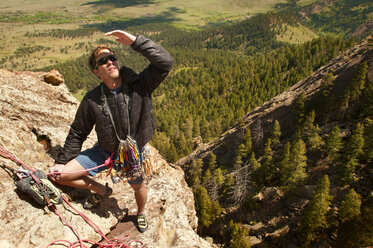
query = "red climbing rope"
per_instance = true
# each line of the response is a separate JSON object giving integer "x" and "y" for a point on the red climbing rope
{"x": 7, "y": 154}
{"x": 122, "y": 242}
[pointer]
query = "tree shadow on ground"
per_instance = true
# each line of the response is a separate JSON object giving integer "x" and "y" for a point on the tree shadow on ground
{"x": 119, "y": 3}
{"x": 164, "y": 17}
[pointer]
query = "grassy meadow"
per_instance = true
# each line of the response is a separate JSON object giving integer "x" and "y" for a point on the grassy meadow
{"x": 295, "y": 34}
{"x": 25, "y": 25}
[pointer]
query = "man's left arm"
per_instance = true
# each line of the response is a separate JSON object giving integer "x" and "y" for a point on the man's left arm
{"x": 160, "y": 59}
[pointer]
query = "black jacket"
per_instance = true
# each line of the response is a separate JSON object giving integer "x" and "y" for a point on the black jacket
{"x": 138, "y": 88}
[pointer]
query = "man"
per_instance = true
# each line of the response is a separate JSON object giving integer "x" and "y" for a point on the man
{"x": 128, "y": 96}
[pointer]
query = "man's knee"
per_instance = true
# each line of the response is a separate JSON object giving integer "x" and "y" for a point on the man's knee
{"x": 138, "y": 187}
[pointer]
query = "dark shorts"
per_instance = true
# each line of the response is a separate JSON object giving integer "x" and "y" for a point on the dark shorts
{"x": 96, "y": 156}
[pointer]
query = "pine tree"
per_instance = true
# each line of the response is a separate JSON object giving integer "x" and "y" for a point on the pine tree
{"x": 172, "y": 153}
{"x": 227, "y": 187}
{"x": 196, "y": 128}
{"x": 216, "y": 128}
{"x": 298, "y": 163}
{"x": 356, "y": 87}
{"x": 205, "y": 130}
{"x": 358, "y": 231}
{"x": 315, "y": 216}
{"x": 350, "y": 206}
{"x": 314, "y": 140}
{"x": 212, "y": 162}
{"x": 203, "y": 207}
{"x": 299, "y": 110}
{"x": 239, "y": 236}
{"x": 333, "y": 145}
{"x": 367, "y": 101}
{"x": 276, "y": 134}
{"x": 311, "y": 132}
{"x": 355, "y": 144}
{"x": 256, "y": 171}
{"x": 267, "y": 164}
{"x": 241, "y": 152}
{"x": 368, "y": 149}
{"x": 218, "y": 176}
{"x": 354, "y": 148}
{"x": 187, "y": 129}
{"x": 358, "y": 81}
{"x": 285, "y": 165}
{"x": 346, "y": 171}
{"x": 193, "y": 173}
{"x": 181, "y": 145}
{"x": 327, "y": 84}
{"x": 215, "y": 210}
{"x": 206, "y": 179}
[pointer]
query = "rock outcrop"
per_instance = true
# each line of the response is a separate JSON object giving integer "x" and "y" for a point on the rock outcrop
{"x": 34, "y": 121}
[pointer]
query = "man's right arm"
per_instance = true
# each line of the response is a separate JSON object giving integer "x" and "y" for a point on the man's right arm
{"x": 56, "y": 170}
{"x": 79, "y": 130}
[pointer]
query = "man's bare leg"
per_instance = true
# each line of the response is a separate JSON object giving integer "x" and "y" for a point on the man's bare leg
{"x": 141, "y": 196}
{"x": 79, "y": 179}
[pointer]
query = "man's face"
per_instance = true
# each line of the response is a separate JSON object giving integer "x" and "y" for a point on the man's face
{"x": 107, "y": 65}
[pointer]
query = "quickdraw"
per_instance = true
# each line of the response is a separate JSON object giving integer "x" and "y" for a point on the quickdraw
{"x": 147, "y": 163}
{"x": 130, "y": 163}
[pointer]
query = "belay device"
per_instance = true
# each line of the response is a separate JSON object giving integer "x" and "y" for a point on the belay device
{"x": 33, "y": 183}
{"x": 40, "y": 188}
{"x": 36, "y": 185}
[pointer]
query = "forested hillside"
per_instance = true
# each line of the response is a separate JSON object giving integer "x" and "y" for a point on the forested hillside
{"x": 224, "y": 71}
{"x": 297, "y": 171}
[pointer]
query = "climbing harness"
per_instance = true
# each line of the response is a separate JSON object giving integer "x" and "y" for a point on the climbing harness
{"x": 130, "y": 163}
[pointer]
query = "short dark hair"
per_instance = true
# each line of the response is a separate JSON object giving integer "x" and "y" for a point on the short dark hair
{"x": 92, "y": 59}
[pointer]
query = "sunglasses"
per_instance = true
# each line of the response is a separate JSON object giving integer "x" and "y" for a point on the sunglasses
{"x": 104, "y": 60}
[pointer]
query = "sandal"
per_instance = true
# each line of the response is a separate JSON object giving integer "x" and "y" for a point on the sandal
{"x": 142, "y": 223}
{"x": 94, "y": 199}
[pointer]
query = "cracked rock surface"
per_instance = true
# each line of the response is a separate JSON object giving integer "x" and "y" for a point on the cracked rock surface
{"x": 34, "y": 120}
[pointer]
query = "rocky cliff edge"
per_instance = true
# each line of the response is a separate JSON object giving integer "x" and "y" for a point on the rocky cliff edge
{"x": 35, "y": 114}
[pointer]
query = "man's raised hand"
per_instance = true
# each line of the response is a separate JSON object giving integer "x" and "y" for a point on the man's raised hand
{"x": 122, "y": 37}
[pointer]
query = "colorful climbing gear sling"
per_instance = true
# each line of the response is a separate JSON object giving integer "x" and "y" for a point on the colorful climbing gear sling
{"x": 130, "y": 163}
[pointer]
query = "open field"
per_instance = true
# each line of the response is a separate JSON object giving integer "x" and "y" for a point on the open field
{"x": 43, "y": 51}
{"x": 295, "y": 35}
{"x": 21, "y": 17}
{"x": 189, "y": 13}
{"x": 180, "y": 9}
{"x": 33, "y": 6}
